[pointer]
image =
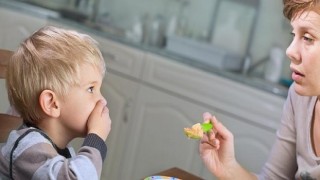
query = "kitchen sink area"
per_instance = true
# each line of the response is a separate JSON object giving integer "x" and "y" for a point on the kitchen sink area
{"x": 195, "y": 52}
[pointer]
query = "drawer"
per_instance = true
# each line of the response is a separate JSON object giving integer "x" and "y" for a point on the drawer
{"x": 229, "y": 97}
{"x": 118, "y": 57}
{"x": 122, "y": 58}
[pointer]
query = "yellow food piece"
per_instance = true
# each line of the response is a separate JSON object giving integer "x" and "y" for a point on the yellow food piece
{"x": 195, "y": 132}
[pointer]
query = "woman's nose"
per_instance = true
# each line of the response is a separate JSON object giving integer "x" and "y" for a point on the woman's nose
{"x": 293, "y": 51}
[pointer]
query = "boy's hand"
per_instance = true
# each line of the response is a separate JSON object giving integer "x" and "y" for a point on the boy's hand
{"x": 99, "y": 121}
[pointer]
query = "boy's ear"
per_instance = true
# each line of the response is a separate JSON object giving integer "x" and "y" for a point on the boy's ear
{"x": 49, "y": 103}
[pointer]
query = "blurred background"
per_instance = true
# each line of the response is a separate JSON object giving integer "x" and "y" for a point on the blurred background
{"x": 248, "y": 31}
{"x": 168, "y": 61}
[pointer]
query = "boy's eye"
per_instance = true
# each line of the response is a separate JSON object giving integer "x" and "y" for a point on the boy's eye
{"x": 90, "y": 89}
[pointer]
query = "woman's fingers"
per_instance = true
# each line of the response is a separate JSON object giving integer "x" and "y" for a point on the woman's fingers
{"x": 217, "y": 134}
{"x": 221, "y": 130}
{"x": 206, "y": 117}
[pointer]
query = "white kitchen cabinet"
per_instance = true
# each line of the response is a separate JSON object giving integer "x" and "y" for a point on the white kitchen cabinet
{"x": 120, "y": 94}
{"x": 157, "y": 141}
{"x": 17, "y": 26}
{"x": 252, "y": 115}
{"x": 121, "y": 58}
{"x": 237, "y": 99}
{"x": 124, "y": 69}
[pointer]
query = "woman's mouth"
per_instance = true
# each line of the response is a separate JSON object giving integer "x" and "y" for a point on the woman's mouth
{"x": 297, "y": 76}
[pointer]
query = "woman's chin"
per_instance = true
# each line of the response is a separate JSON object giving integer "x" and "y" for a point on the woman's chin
{"x": 303, "y": 90}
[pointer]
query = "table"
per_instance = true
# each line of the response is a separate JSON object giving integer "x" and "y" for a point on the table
{"x": 178, "y": 173}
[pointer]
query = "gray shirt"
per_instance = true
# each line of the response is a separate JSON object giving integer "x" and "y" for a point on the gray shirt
{"x": 292, "y": 155}
{"x": 36, "y": 157}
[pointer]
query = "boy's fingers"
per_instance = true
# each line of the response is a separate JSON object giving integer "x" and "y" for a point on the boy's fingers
{"x": 100, "y": 106}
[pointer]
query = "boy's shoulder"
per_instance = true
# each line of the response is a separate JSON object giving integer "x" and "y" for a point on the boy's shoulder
{"x": 22, "y": 139}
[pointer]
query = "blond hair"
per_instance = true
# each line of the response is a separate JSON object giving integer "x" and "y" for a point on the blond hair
{"x": 49, "y": 59}
{"x": 293, "y": 8}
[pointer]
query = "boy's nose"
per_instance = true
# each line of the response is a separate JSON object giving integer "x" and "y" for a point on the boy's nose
{"x": 104, "y": 100}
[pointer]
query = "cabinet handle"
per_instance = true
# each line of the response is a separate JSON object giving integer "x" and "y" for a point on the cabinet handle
{"x": 109, "y": 56}
{"x": 127, "y": 108}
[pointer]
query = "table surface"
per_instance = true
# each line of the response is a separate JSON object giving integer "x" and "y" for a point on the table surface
{"x": 178, "y": 173}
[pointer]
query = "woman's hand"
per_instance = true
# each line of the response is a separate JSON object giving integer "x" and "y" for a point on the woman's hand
{"x": 217, "y": 152}
{"x": 217, "y": 149}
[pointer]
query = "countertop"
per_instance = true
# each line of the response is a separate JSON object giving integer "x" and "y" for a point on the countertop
{"x": 252, "y": 81}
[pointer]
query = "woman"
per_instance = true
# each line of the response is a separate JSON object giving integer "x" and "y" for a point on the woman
{"x": 296, "y": 152}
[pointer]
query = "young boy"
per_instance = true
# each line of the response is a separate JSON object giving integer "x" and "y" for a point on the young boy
{"x": 54, "y": 81}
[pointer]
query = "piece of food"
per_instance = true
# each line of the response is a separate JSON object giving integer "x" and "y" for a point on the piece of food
{"x": 197, "y": 130}
{"x": 206, "y": 127}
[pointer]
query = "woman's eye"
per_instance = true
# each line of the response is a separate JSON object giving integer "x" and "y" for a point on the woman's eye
{"x": 308, "y": 39}
{"x": 90, "y": 89}
{"x": 292, "y": 34}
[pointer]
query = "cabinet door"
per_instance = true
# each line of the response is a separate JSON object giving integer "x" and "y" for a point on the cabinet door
{"x": 253, "y": 105}
{"x": 157, "y": 141}
{"x": 120, "y": 93}
{"x": 17, "y": 26}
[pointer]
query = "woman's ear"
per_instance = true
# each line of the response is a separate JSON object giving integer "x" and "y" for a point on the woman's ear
{"x": 49, "y": 103}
